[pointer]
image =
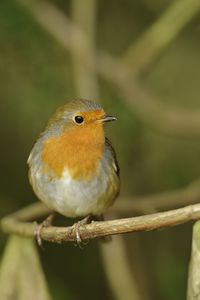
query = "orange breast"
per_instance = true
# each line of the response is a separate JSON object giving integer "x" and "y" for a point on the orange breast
{"x": 78, "y": 150}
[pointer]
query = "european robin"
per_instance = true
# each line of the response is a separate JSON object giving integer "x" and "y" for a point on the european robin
{"x": 72, "y": 166}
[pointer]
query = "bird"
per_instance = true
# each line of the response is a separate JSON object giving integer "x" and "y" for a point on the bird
{"x": 73, "y": 167}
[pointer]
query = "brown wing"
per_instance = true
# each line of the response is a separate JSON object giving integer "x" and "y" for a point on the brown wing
{"x": 113, "y": 153}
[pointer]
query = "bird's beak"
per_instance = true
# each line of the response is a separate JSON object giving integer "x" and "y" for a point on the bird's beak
{"x": 107, "y": 119}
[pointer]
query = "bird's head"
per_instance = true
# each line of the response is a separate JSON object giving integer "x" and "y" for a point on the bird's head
{"x": 78, "y": 115}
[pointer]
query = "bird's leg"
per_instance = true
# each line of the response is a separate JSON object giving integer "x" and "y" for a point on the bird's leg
{"x": 76, "y": 226}
{"x": 46, "y": 223}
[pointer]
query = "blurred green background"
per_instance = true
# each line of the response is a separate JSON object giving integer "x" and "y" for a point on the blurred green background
{"x": 36, "y": 77}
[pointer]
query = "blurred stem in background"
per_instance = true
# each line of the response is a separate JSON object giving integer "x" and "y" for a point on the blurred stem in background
{"x": 193, "y": 292}
{"x": 83, "y": 14}
{"x": 121, "y": 281}
{"x": 160, "y": 35}
{"x": 21, "y": 275}
{"x": 116, "y": 265}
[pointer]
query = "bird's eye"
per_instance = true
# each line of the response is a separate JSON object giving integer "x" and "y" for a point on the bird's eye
{"x": 78, "y": 119}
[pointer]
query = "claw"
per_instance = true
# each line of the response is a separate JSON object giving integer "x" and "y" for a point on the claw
{"x": 46, "y": 223}
{"x": 37, "y": 234}
{"x": 75, "y": 228}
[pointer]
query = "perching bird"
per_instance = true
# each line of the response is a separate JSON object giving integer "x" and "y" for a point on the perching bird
{"x": 72, "y": 166}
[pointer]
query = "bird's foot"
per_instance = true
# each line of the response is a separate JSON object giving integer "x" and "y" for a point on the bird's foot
{"x": 46, "y": 223}
{"x": 76, "y": 226}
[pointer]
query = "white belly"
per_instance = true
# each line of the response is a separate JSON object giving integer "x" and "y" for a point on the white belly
{"x": 74, "y": 198}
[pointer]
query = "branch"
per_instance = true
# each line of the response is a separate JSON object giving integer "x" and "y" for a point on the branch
{"x": 18, "y": 224}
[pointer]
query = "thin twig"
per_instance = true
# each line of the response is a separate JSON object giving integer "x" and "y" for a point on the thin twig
{"x": 13, "y": 224}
